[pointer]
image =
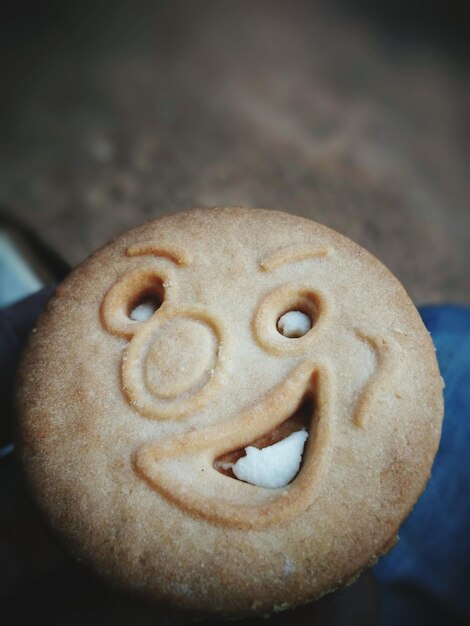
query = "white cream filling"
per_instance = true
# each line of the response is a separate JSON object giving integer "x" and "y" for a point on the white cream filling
{"x": 274, "y": 466}
{"x": 143, "y": 312}
{"x": 294, "y": 324}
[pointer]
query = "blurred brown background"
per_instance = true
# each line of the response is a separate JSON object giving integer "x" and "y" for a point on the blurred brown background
{"x": 351, "y": 113}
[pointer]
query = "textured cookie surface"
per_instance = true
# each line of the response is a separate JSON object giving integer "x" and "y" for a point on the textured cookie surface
{"x": 123, "y": 418}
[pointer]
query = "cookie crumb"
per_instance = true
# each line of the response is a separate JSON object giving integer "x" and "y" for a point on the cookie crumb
{"x": 274, "y": 466}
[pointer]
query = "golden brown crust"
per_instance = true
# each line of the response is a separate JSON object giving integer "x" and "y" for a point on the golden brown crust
{"x": 120, "y": 453}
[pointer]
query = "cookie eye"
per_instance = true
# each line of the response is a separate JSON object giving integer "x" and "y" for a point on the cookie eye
{"x": 132, "y": 301}
{"x": 143, "y": 311}
{"x": 146, "y": 303}
{"x": 288, "y": 317}
{"x": 294, "y": 324}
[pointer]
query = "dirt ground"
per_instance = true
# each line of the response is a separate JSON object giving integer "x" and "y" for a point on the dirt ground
{"x": 127, "y": 111}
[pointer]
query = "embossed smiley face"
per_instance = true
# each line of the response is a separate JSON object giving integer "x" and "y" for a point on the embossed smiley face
{"x": 207, "y": 353}
{"x": 165, "y": 362}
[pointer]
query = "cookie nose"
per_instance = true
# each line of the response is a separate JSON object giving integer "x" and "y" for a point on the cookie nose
{"x": 181, "y": 358}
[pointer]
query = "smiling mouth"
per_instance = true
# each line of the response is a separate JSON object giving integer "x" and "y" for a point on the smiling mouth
{"x": 187, "y": 469}
{"x": 302, "y": 420}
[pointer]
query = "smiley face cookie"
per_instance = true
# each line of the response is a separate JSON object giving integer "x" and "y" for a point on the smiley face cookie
{"x": 229, "y": 410}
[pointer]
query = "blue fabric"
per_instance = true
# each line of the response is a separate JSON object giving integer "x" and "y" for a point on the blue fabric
{"x": 425, "y": 579}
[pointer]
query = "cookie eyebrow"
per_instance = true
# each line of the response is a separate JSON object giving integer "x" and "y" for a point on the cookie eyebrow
{"x": 176, "y": 256}
{"x": 292, "y": 254}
